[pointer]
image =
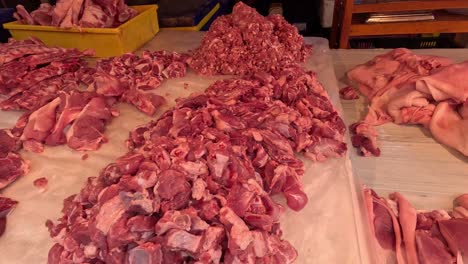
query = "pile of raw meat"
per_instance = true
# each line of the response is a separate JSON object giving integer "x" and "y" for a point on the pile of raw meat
{"x": 31, "y": 73}
{"x": 61, "y": 93}
{"x": 245, "y": 42}
{"x": 196, "y": 184}
{"x": 129, "y": 76}
{"x": 409, "y": 236}
{"x": 75, "y": 118}
{"x": 67, "y": 101}
{"x": 6, "y": 205}
{"x": 406, "y": 88}
{"x": 12, "y": 166}
{"x": 78, "y": 13}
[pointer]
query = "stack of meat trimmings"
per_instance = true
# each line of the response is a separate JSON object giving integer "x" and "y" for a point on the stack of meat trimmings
{"x": 196, "y": 185}
{"x": 49, "y": 82}
{"x": 31, "y": 73}
{"x": 78, "y": 13}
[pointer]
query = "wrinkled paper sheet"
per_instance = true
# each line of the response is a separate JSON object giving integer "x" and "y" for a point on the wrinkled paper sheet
{"x": 328, "y": 230}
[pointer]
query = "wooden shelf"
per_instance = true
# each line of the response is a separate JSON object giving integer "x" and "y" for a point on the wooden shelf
{"x": 349, "y": 19}
{"x": 413, "y": 5}
{"x": 444, "y": 23}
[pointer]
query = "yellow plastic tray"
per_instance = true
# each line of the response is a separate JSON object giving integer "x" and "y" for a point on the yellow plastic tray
{"x": 107, "y": 42}
{"x": 201, "y": 23}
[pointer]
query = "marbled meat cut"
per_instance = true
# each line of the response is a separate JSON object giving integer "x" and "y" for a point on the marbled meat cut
{"x": 196, "y": 184}
{"x": 6, "y": 206}
{"x": 406, "y": 88}
{"x": 412, "y": 236}
{"x": 78, "y": 13}
{"x": 245, "y": 42}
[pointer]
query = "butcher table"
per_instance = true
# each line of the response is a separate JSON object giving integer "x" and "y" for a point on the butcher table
{"x": 329, "y": 230}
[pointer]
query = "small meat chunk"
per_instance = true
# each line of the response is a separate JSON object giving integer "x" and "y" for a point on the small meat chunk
{"x": 348, "y": 93}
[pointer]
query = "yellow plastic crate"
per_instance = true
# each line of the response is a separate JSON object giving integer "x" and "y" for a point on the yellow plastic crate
{"x": 201, "y": 23}
{"x": 107, "y": 42}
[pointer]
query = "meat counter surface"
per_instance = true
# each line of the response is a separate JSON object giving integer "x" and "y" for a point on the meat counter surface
{"x": 328, "y": 230}
{"x": 427, "y": 173}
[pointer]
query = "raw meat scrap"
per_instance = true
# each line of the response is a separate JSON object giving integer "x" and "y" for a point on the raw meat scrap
{"x": 71, "y": 104}
{"x": 462, "y": 201}
{"x": 60, "y": 12}
{"x": 245, "y": 42}
{"x": 348, "y": 93}
{"x": 196, "y": 184}
{"x": 365, "y": 138}
{"x": 94, "y": 17}
{"x": 405, "y": 88}
{"x": 147, "y": 103}
{"x": 52, "y": 85}
{"x": 31, "y": 74}
{"x": 86, "y": 132}
{"x": 449, "y": 127}
{"x": 82, "y": 115}
{"x": 76, "y": 13}
{"x": 41, "y": 122}
{"x": 393, "y": 69}
{"x": 42, "y": 15}
{"x": 416, "y": 236}
{"x": 6, "y": 206}
{"x": 431, "y": 249}
{"x": 41, "y": 184}
{"x": 23, "y": 16}
{"x": 8, "y": 143}
{"x": 12, "y": 166}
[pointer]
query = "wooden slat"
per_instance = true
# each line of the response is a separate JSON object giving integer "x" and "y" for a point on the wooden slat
{"x": 412, "y": 5}
{"x": 346, "y": 24}
{"x": 338, "y": 12}
{"x": 446, "y": 23}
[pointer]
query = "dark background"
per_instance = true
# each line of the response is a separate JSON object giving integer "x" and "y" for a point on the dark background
{"x": 30, "y": 5}
{"x": 294, "y": 11}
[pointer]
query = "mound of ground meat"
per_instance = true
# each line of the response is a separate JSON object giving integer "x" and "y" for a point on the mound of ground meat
{"x": 245, "y": 42}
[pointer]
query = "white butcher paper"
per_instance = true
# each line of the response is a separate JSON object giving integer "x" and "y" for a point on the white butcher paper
{"x": 328, "y": 230}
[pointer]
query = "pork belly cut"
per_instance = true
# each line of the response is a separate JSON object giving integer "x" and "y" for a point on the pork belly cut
{"x": 406, "y": 88}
